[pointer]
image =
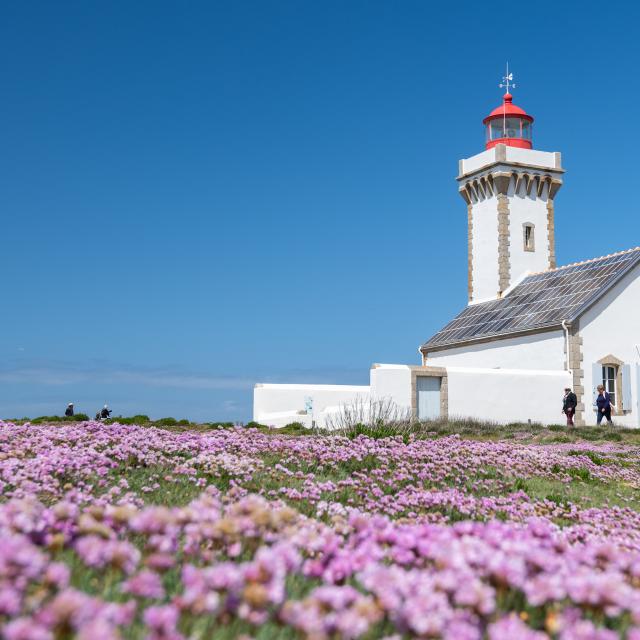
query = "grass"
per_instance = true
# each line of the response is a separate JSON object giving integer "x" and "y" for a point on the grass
{"x": 586, "y": 494}
{"x": 467, "y": 428}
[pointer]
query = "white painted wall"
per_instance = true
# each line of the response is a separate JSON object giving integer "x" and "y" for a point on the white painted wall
{"x": 484, "y": 215}
{"x": 393, "y": 382}
{"x": 531, "y": 209}
{"x": 612, "y": 327}
{"x": 532, "y": 157}
{"x": 507, "y": 395}
{"x": 536, "y": 351}
{"x": 546, "y": 159}
{"x": 477, "y": 162}
{"x": 279, "y": 404}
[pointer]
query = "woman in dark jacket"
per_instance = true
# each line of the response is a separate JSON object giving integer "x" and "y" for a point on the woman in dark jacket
{"x": 569, "y": 404}
{"x": 604, "y": 405}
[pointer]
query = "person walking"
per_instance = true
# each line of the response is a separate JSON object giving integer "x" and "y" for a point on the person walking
{"x": 68, "y": 412}
{"x": 603, "y": 402}
{"x": 569, "y": 404}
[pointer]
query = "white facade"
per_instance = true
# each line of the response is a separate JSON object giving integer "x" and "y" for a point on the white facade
{"x": 485, "y": 275}
{"x": 533, "y": 351}
{"x": 507, "y": 395}
{"x": 392, "y": 382}
{"x": 500, "y": 395}
{"x": 612, "y": 328}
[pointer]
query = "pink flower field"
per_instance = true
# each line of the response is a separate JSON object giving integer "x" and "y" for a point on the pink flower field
{"x": 113, "y": 531}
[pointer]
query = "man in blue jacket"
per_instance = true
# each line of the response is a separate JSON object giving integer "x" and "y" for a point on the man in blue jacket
{"x": 603, "y": 402}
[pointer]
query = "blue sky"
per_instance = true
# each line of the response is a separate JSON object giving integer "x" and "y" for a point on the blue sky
{"x": 199, "y": 196}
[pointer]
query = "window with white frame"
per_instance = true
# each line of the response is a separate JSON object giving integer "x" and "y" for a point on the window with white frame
{"x": 609, "y": 377}
{"x": 528, "y": 236}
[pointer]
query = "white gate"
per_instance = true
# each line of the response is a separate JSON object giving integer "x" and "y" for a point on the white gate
{"x": 428, "y": 397}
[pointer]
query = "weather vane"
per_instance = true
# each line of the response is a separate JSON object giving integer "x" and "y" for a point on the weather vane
{"x": 507, "y": 80}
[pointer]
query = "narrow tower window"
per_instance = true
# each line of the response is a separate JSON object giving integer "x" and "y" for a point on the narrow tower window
{"x": 528, "y": 236}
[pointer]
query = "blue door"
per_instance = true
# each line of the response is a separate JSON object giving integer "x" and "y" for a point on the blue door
{"x": 428, "y": 400}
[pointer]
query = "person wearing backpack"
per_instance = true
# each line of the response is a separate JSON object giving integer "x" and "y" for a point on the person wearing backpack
{"x": 569, "y": 404}
{"x": 603, "y": 402}
{"x": 68, "y": 412}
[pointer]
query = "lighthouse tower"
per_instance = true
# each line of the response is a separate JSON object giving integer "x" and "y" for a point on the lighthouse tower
{"x": 509, "y": 189}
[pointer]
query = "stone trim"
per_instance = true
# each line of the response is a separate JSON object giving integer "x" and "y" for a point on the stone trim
{"x": 504, "y": 263}
{"x": 470, "y": 250}
{"x": 612, "y": 361}
{"x": 430, "y": 372}
{"x": 518, "y": 165}
{"x": 491, "y": 184}
{"x": 574, "y": 361}
{"x": 551, "y": 231}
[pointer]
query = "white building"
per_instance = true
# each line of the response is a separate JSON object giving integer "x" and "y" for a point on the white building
{"x": 530, "y": 328}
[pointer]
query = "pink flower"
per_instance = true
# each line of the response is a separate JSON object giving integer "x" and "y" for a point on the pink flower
{"x": 26, "y": 629}
{"x": 145, "y": 584}
{"x": 162, "y": 622}
{"x": 57, "y": 574}
{"x": 511, "y": 627}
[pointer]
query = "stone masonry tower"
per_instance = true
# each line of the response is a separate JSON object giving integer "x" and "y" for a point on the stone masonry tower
{"x": 509, "y": 189}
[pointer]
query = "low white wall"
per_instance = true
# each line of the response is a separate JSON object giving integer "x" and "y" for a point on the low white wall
{"x": 392, "y": 382}
{"x": 279, "y": 404}
{"x": 507, "y": 395}
{"x": 535, "y": 351}
{"x": 500, "y": 395}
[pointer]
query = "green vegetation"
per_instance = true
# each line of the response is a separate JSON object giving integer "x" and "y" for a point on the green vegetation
{"x": 79, "y": 417}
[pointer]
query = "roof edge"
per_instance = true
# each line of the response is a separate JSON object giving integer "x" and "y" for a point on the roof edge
{"x": 580, "y": 262}
{"x": 494, "y": 337}
{"x": 587, "y": 304}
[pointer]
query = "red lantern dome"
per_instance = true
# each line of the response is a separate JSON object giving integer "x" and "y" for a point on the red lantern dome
{"x": 509, "y": 124}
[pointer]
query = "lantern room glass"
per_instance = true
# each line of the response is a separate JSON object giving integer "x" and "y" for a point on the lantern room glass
{"x": 509, "y": 128}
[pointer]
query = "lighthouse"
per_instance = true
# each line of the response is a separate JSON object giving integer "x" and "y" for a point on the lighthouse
{"x": 528, "y": 324}
{"x": 509, "y": 189}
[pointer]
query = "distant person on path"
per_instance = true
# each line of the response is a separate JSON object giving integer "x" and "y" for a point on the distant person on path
{"x": 603, "y": 401}
{"x": 569, "y": 404}
{"x": 69, "y": 410}
{"x": 105, "y": 413}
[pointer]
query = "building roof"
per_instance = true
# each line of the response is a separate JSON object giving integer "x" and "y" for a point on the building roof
{"x": 508, "y": 109}
{"x": 541, "y": 301}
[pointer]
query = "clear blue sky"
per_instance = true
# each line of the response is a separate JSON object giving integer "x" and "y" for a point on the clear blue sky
{"x": 198, "y": 196}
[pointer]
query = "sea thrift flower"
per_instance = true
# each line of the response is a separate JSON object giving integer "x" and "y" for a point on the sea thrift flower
{"x": 145, "y": 584}
{"x": 161, "y": 622}
{"x": 419, "y": 537}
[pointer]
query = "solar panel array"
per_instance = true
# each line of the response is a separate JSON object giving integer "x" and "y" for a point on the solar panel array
{"x": 540, "y": 300}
